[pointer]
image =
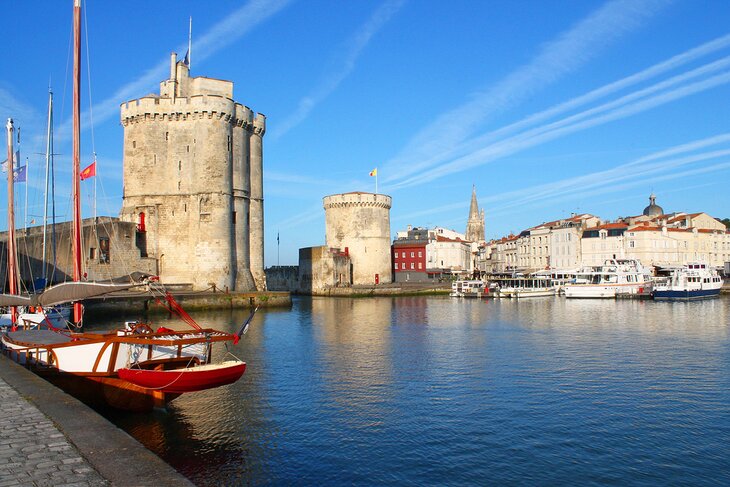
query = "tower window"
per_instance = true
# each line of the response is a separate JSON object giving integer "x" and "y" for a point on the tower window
{"x": 104, "y": 256}
{"x": 166, "y": 134}
{"x": 134, "y": 144}
{"x": 234, "y": 218}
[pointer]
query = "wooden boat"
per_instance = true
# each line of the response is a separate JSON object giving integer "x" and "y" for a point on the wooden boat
{"x": 88, "y": 365}
{"x": 188, "y": 379}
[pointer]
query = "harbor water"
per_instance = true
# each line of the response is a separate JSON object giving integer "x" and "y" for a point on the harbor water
{"x": 443, "y": 391}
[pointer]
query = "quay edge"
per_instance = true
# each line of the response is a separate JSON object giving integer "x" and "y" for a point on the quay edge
{"x": 391, "y": 289}
{"x": 196, "y": 301}
{"x": 116, "y": 456}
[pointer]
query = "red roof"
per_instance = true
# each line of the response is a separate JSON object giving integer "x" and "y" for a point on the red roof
{"x": 444, "y": 239}
{"x": 608, "y": 226}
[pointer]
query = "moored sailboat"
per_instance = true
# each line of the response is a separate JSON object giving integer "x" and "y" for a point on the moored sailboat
{"x": 127, "y": 367}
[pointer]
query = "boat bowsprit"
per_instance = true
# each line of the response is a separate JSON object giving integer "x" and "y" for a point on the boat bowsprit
{"x": 188, "y": 379}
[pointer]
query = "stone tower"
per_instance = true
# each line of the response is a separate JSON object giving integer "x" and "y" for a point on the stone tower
{"x": 359, "y": 224}
{"x": 193, "y": 165}
{"x": 475, "y": 223}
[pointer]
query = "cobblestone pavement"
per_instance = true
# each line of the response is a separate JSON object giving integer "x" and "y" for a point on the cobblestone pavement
{"x": 33, "y": 451}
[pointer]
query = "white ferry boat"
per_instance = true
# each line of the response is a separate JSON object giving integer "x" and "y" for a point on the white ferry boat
{"x": 526, "y": 287}
{"x": 614, "y": 278}
{"x": 694, "y": 280}
{"x": 467, "y": 289}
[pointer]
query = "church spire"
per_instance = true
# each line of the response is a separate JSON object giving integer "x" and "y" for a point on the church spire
{"x": 475, "y": 224}
{"x": 474, "y": 207}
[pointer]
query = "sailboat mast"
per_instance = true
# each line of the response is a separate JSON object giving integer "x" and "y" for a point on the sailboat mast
{"x": 76, "y": 246}
{"x": 12, "y": 256}
{"x": 49, "y": 151}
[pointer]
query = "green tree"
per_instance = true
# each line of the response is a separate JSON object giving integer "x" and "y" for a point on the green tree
{"x": 726, "y": 222}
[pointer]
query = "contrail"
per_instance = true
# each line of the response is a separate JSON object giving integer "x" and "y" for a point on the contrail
{"x": 332, "y": 80}
{"x": 606, "y": 181}
{"x": 648, "y": 73}
{"x": 555, "y": 60}
{"x": 557, "y": 129}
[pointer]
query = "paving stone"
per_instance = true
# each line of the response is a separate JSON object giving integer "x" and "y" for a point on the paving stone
{"x": 34, "y": 452}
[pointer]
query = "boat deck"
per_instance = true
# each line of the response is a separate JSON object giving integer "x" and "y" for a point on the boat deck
{"x": 38, "y": 337}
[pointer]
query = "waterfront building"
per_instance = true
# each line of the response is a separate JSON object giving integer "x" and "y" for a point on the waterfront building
{"x": 358, "y": 224}
{"x": 565, "y": 241}
{"x": 603, "y": 242}
{"x": 193, "y": 165}
{"x": 653, "y": 237}
{"x": 421, "y": 254}
{"x": 554, "y": 244}
{"x": 409, "y": 256}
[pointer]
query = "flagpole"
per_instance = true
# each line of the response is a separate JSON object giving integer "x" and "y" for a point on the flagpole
{"x": 95, "y": 189}
{"x": 25, "y": 210}
{"x": 190, "y": 41}
{"x": 376, "y": 180}
{"x": 278, "y": 263}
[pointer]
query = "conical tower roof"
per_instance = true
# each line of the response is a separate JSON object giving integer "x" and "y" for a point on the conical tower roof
{"x": 475, "y": 223}
{"x": 474, "y": 207}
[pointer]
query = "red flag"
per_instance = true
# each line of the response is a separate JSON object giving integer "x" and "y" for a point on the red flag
{"x": 89, "y": 171}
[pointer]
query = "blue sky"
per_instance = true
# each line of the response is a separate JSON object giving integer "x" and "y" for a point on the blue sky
{"x": 548, "y": 107}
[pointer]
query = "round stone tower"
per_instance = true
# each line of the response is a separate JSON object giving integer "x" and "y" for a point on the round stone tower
{"x": 359, "y": 224}
{"x": 192, "y": 181}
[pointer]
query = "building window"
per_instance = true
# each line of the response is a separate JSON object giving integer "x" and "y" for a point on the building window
{"x": 420, "y": 265}
{"x": 134, "y": 144}
{"x": 412, "y": 266}
{"x": 204, "y": 210}
{"x": 412, "y": 254}
{"x": 92, "y": 253}
{"x": 420, "y": 253}
{"x": 396, "y": 266}
{"x": 104, "y": 252}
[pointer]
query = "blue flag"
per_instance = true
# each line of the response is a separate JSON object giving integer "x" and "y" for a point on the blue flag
{"x": 19, "y": 174}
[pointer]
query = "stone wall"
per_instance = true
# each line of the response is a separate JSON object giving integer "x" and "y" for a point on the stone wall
{"x": 110, "y": 249}
{"x": 322, "y": 268}
{"x": 282, "y": 278}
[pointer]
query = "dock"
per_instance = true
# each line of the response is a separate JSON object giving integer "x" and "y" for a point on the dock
{"x": 189, "y": 300}
{"x": 48, "y": 437}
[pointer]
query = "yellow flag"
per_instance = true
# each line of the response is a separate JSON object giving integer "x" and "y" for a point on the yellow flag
{"x": 374, "y": 172}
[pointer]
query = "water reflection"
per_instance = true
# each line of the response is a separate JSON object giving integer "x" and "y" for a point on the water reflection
{"x": 443, "y": 391}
